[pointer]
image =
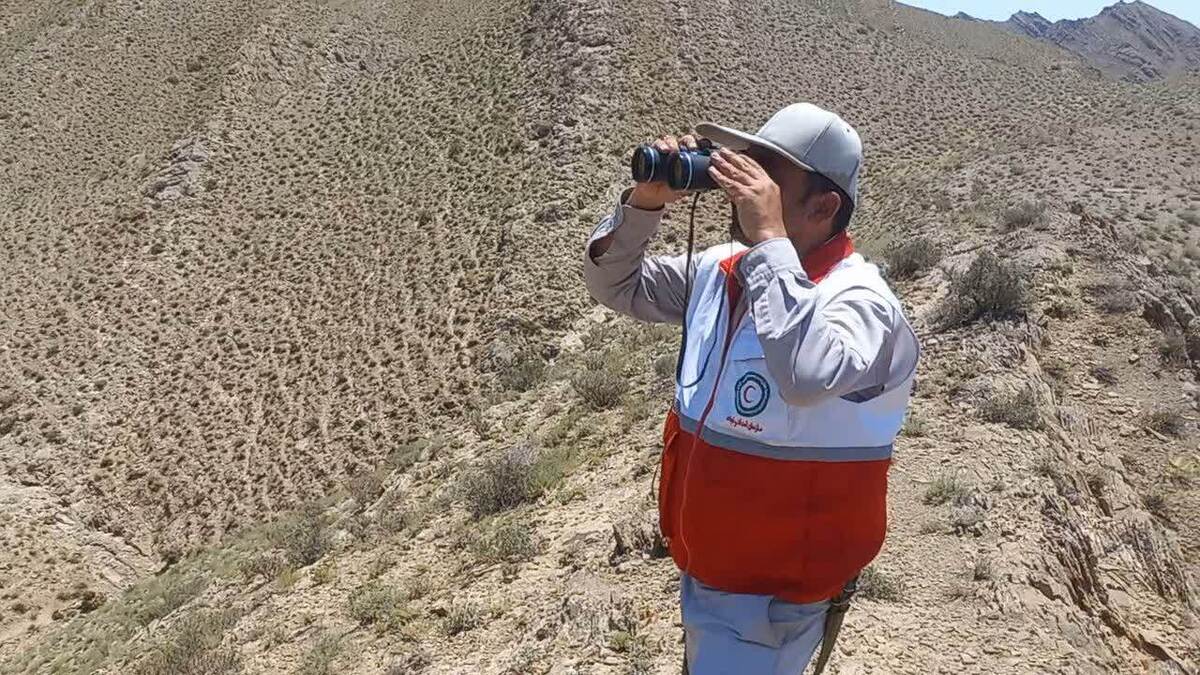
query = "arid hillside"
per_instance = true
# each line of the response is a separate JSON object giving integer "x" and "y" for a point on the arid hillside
{"x": 298, "y": 374}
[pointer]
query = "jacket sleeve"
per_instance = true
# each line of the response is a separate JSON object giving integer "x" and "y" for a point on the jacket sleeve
{"x": 814, "y": 355}
{"x": 625, "y": 279}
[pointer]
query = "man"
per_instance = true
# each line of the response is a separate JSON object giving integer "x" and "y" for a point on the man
{"x": 794, "y": 380}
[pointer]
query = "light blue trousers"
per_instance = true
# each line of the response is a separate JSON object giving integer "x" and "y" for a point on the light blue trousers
{"x": 737, "y": 634}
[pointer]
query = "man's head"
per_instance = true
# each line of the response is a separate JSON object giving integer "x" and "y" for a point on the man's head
{"x": 815, "y": 158}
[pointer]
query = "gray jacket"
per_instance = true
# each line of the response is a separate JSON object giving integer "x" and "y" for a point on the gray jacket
{"x": 815, "y": 346}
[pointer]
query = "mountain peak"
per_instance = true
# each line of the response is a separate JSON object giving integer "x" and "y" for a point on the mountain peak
{"x": 1131, "y": 40}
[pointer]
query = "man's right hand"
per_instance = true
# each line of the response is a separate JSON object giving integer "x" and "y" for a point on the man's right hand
{"x": 654, "y": 196}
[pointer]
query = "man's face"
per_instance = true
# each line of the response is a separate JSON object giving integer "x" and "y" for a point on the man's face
{"x": 793, "y": 189}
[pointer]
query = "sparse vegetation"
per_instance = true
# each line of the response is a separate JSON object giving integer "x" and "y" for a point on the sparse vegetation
{"x": 304, "y": 538}
{"x": 911, "y": 257}
{"x": 983, "y": 570}
{"x": 1104, "y": 375}
{"x": 523, "y": 372}
{"x": 461, "y": 617}
{"x": 1027, "y": 213}
{"x": 381, "y": 606}
{"x": 319, "y": 659}
{"x": 1172, "y": 349}
{"x": 502, "y": 483}
{"x": 875, "y": 584}
{"x": 193, "y": 648}
{"x": 1019, "y": 409}
{"x": 946, "y": 487}
{"x": 510, "y": 540}
{"x": 990, "y": 288}
{"x": 600, "y": 389}
{"x": 1166, "y": 421}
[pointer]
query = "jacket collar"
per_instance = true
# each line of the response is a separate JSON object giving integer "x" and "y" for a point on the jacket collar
{"x": 822, "y": 259}
{"x": 817, "y": 263}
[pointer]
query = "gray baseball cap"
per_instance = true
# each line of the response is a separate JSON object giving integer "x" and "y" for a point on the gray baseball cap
{"x": 812, "y": 138}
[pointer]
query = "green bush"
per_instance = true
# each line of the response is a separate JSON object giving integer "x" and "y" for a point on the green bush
{"x": 990, "y": 288}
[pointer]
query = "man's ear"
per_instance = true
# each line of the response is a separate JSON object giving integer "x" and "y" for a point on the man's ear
{"x": 825, "y": 206}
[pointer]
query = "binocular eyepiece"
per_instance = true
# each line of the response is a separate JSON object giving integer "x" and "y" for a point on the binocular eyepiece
{"x": 684, "y": 170}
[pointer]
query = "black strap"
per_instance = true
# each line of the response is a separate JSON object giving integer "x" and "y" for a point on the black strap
{"x": 838, "y": 607}
{"x": 687, "y": 287}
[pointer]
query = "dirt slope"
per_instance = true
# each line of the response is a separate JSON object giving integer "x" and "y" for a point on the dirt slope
{"x": 252, "y": 250}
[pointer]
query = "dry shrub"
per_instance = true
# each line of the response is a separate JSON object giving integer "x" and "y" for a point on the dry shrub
{"x": 945, "y": 488}
{"x": 876, "y": 584}
{"x": 1172, "y": 349}
{"x": 383, "y": 607}
{"x": 319, "y": 659}
{"x": 990, "y": 288}
{"x": 911, "y": 257}
{"x": 305, "y": 537}
{"x": 1025, "y": 213}
{"x": 1019, "y": 410}
{"x": 523, "y": 373}
{"x": 192, "y": 648}
{"x": 1165, "y": 421}
{"x": 509, "y": 541}
{"x": 461, "y": 617}
{"x": 500, "y": 484}
{"x": 1114, "y": 298}
{"x": 600, "y": 389}
{"x": 365, "y": 488}
{"x": 268, "y": 565}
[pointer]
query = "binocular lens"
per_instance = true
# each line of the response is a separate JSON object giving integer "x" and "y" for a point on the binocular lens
{"x": 648, "y": 165}
{"x": 683, "y": 170}
{"x": 689, "y": 171}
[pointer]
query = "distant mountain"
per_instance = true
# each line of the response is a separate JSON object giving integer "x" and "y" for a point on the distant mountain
{"x": 1130, "y": 40}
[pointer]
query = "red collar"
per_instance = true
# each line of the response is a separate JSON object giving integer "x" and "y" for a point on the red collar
{"x": 825, "y": 257}
{"x": 816, "y": 264}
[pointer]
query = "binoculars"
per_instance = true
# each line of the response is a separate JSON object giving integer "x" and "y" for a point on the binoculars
{"x": 684, "y": 170}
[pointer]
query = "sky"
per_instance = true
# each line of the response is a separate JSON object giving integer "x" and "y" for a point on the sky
{"x": 1051, "y": 9}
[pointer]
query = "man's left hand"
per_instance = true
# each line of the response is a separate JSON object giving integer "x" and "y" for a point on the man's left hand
{"x": 753, "y": 193}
